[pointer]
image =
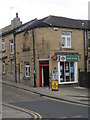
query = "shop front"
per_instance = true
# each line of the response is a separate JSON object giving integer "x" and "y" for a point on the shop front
{"x": 67, "y": 69}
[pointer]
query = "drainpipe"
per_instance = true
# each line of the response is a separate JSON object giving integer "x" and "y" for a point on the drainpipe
{"x": 87, "y": 41}
{"x": 34, "y": 58}
{"x": 15, "y": 57}
{"x": 84, "y": 52}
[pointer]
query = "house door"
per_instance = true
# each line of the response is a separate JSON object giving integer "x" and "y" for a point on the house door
{"x": 44, "y": 73}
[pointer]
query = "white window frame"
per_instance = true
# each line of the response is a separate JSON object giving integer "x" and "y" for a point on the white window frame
{"x": 3, "y": 68}
{"x": 66, "y": 35}
{"x": 27, "y": 73}
{"x": 3, "y": 45}
{"x": 11, "y": 47}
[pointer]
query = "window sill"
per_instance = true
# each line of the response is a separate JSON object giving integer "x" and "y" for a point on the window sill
{"x": 68, "y": 48}
{"x": 3, "y": 73}
{"x": 3, "y": 50}
{"x": 26, "y": 78}
{"x": 26, "y": 49}
{"x": 11, "y": 53}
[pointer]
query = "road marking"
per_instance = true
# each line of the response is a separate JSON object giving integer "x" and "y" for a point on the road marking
{"x": 72, "y": 117}
{"x": 77, "y": 116}
{"x": 35, "y": 114}
{"x": 78, "y": 104}
{"x": 63, "y": 117}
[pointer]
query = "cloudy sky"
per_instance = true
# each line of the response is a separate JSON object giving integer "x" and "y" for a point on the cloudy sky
{"x": 30, "y": 9}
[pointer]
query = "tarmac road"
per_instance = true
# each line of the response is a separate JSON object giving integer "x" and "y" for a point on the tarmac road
{"x": 44, "y": 107}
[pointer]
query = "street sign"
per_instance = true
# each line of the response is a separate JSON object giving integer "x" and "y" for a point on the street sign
{"x": 54, "y": 85}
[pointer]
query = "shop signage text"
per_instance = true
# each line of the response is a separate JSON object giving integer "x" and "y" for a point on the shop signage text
{"x": 72, "y": 58}
{"x": 67, "y": 58}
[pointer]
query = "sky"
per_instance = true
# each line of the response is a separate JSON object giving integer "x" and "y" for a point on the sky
{"x": 30, "y": 9}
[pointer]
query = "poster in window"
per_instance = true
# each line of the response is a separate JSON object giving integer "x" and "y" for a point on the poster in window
{"x": 72, "y": 69}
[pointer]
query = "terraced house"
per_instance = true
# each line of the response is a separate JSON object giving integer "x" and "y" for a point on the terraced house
{"x": 54, "y": 47}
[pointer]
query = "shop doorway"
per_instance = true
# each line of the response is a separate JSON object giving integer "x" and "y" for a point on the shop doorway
{"x": 44, "y": 73}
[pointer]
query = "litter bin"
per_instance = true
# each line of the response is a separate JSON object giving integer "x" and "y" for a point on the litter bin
{"x": 54, "y": 85}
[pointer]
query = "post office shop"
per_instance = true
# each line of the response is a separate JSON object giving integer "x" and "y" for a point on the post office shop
{"x": 67, "y": 67}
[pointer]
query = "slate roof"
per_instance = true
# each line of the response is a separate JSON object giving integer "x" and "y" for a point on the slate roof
{"x": 66, "y": 22}
{"x": 53, "y": 21}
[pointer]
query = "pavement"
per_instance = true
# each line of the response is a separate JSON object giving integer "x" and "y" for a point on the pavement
{"x": 8, "y": 112}
{"x": 72, "y": 94}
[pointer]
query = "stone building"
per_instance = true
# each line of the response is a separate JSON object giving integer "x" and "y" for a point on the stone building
{"x": 7, "y": 48}
{"x": 41, "y": 50}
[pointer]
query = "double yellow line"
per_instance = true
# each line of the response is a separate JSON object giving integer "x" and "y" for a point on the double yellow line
{"x": 34, "y": 114}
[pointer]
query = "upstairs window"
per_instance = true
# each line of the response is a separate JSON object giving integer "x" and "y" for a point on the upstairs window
{"x": 66, "y": 40}
{"x": 27, "y": 70}
{"x": 3, "y": 68}
{"x": 11, "y": 47}
{"x": 3, "y": 45}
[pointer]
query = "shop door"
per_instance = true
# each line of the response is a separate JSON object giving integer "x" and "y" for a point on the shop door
{"x": 44, "y": 74}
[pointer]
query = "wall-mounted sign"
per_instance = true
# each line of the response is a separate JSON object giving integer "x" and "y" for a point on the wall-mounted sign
{"x": 67, "y": 58}
{"x": 54, "y": 57}
{"x": 72, "y": 58}
{"x": 62, "y": 58}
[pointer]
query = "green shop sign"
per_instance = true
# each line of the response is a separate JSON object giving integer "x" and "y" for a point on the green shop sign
{"x": 67, "y": 58}
{"x": 72, "y": 58}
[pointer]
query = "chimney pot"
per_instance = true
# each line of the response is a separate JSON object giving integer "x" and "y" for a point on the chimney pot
{"x": 16, "y": 15}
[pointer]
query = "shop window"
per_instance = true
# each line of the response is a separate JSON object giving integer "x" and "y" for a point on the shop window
{"x": 89, "y": 36}
{"x": 66, "y": 40}
{"x": 66, "y": 71}
{"x": 89, "y": 62}
{"x": 27, "y": 70}
{"x": 3, "y": 68}
{"x": 3, "y": 45}
{"x": 11, "y": 47}
{"x": 72, "y": 71}
{"x": 62, "y": 71}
